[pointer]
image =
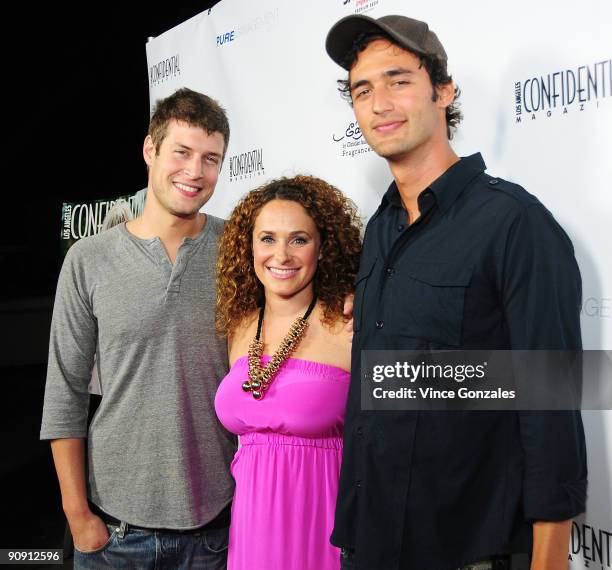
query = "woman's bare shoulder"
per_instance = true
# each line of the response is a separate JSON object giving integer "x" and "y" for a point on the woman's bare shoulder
{"x": 331, "y": 344}
{"x": 339, "y": 333}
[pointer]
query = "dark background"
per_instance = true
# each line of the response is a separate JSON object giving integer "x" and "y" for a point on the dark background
{"x": 77, "y": 112}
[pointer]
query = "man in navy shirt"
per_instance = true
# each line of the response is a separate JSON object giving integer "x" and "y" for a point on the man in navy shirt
{"x": 453, "y": 259}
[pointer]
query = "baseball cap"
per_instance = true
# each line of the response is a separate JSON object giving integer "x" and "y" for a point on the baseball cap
{"x": 408, "y": 33}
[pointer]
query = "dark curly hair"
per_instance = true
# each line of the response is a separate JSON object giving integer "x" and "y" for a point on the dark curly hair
{"x": 239, "y": 292}
{"x": 435, "y": 67}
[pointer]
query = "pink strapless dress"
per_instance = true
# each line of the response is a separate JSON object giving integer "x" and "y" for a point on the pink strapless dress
{"x": 287, "y": 467}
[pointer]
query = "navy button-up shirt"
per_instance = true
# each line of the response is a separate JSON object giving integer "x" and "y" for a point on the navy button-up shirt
{"x": 485, "y": 266}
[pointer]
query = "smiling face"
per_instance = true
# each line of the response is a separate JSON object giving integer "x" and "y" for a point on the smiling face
{"x": 184, "y": 172}
{"x": 393, "y": 102}
{"x": 286, "y": 249}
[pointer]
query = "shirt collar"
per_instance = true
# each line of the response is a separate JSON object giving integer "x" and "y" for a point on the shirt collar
{"x": 447, "y": 187}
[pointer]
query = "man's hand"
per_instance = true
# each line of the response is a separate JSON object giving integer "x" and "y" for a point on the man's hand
{"x": 550, "y": 545}
{"x": 89, "y": 532}
{"x": 348, "y": 311}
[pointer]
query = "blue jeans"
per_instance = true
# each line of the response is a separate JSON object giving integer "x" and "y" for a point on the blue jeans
{"x": 157, "y": 550}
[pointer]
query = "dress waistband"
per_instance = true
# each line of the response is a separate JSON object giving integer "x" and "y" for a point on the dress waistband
{"x": 263, "y": 438}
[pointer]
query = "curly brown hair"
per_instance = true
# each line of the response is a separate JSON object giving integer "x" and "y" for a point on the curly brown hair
{"x": 239, "y": 292}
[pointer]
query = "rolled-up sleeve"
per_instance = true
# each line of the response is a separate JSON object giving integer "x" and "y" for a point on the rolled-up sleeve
{"x": 72, "y": 348}
{"x": 541, "y": 300}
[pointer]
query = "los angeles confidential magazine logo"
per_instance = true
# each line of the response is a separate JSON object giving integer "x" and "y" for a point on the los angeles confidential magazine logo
{"x": 590, "y": 546}
{"x": 563, "y": 91}
{"x": 165, "y": 69}
{"x": 246, "y": 165}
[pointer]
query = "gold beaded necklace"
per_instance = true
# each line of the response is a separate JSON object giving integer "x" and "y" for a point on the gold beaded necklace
{"x": 260, "y": 377}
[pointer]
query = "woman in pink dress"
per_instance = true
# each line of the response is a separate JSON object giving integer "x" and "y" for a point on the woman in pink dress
{"x": 288, "y": 258}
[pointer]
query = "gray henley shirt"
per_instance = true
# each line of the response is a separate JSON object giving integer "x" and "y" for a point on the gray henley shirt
{"x": 157, "y": 455}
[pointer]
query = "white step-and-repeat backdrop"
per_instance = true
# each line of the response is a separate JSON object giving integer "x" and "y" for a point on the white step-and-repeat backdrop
{"x": 536, "y": 81}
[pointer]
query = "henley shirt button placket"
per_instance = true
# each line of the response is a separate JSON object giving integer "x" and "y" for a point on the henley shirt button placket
{"x": 390, "y": 271}
{"x": 178, "y": 270}
{"x": 175, "y": 285}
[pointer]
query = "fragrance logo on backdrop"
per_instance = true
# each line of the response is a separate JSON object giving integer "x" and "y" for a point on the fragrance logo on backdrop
{"x": 350, "y": 141}
{"x": 361, "y": 6}
{"x": 266, "y": 21}
{"x": 165, "y": 69}
{"x": 246, "y": 165}
{"x": 563, "y": 92}
{"x": 590, "y": 546}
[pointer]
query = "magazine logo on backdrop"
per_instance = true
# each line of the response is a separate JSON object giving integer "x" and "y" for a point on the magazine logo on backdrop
{"x": 246, "y": 165}
{"x": 350, "y": 141}
{"x": 361, "y": 6}
{"x": 597, "y": 307}
{"x": 80, "y": 220}
{"x": 564, "y": 91}
{"x": 168, "y": 68}
{"x": 266, "y": 21}
{"x": 84, "y": 219}
{"x": 590, "y": 546}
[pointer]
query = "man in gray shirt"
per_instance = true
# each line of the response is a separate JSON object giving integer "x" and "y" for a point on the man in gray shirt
{"x": 142, "y": 295}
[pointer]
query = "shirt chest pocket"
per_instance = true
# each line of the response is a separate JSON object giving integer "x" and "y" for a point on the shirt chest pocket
{"x": 427, "y": 300}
